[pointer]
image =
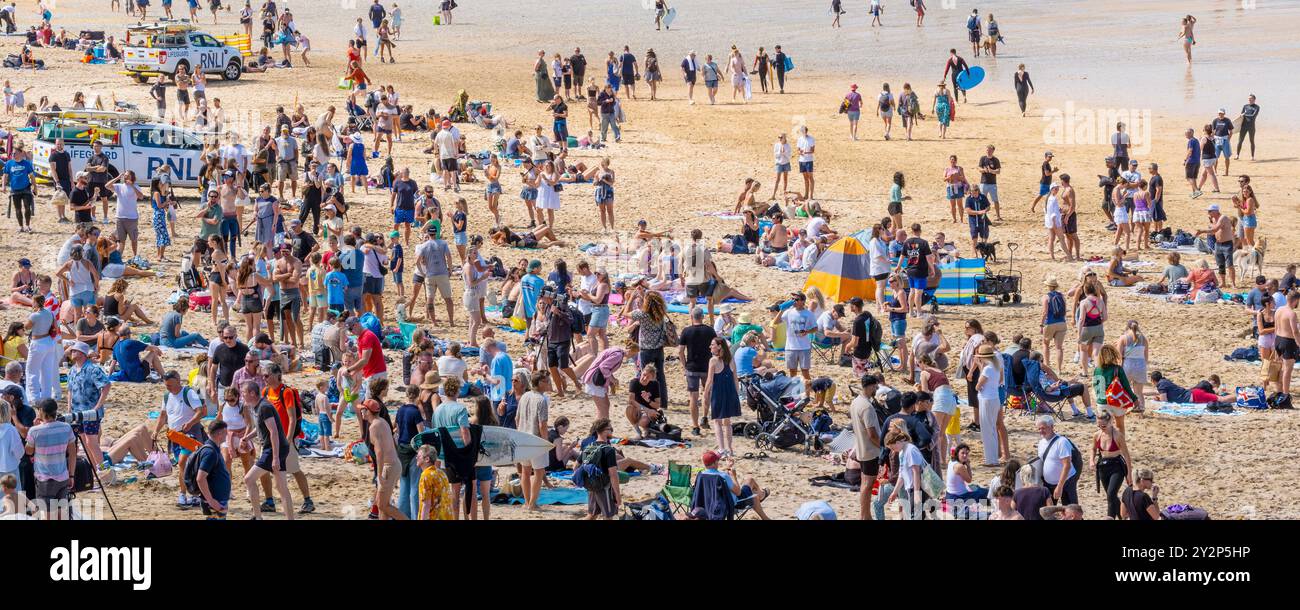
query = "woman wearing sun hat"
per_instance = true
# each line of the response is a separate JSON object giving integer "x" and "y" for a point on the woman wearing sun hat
{"x": 1053, "y": 322}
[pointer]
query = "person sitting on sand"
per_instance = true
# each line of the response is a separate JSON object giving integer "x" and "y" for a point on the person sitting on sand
{"x": 748, "y": 197}
{"x": 777, "y": 238}
{"x": 1116, "y": 274}
{"x": 1204, "y": 392}
{"x": 541, "y": 237}
{"x": 1175, "y": 273}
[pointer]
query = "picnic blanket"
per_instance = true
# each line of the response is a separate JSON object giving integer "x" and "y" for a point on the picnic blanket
{"x": 558, "y": 495}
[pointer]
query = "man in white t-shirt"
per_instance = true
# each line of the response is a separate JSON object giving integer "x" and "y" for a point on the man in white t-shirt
{"x": 446, "y": 142}
{"x": 820, "y": 230}
{"x": 127, "y": 223}
{"x": 807, "y": 146}
{"x": 235, "y": 150}
{"x": 781, "y": 157}
{"x": 799, "y": 325}
{"x": 183, "y": 410}
{"x": 1054, "y": 453}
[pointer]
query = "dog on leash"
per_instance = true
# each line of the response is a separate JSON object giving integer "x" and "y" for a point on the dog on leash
{"x": 988, "y": 250}
{"x": 1250, "y": 261}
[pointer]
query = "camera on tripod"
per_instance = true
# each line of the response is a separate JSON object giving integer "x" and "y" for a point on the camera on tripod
{"x": 79, "y": 418}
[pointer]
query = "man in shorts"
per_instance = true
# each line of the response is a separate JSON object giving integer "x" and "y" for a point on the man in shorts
{"x": 1220, "y": 230}
{"x": 273, "y": 460}
{"x": 866, "y": 441}
{"x": 799, "y": 324}
{"x": 977, "y": 216}
{"x": 1070, "y": 218}
{"x": 990, "y": 166}
{"x": 603, "y": 503}
{"x": 287, "y": 402}
{"x": 286, "y": 153}
{"x": 694, "y": 354}
{"x": 1288, "y": 331}
{"x": 433, "y": 264}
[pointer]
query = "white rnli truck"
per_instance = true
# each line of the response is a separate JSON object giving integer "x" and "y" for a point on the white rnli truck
{"x": 130, "y": 141}
{"x": 160, "y": 49}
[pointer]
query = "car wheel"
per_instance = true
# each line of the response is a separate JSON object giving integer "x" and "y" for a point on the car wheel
{"x": 233, "y": 71}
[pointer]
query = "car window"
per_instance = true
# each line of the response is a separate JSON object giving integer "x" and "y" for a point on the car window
{"x": 150, "y": 138}
{"x": 210, "y": 41}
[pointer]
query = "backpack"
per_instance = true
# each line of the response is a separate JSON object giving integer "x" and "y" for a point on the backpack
{"x": 739, "y": 245}
{"x": 972, "y": 23}
{"x": 1055, "y": 305}
{"x": 874, "y": 332}
{"x": 788, "y": 437}
{"x": 84, "y": 477}
{"x": 186, "y": 391}
{"x": 1279, "y": 400}
{"x": 670, "y": 332}
{"x": 661, "y": 429}
{"x": 589, "y": 475}
{"x": 1076, "y": 459}
{"x": 884, "y": 100}
{"x": 190, "y": 478}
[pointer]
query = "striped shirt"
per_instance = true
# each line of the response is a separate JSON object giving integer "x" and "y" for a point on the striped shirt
{"x": 51, "y": 442}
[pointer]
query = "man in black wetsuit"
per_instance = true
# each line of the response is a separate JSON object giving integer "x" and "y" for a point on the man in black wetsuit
{"x": 1248, "y": 114}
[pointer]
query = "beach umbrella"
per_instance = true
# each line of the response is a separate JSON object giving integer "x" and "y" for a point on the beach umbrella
{"x": 843, "y": 271}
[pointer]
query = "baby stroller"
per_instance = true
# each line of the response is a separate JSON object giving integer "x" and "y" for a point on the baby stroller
{"x": 779, "y": 425}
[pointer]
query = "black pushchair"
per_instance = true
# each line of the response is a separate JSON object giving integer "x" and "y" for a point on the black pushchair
{"x": 777, "y": 405}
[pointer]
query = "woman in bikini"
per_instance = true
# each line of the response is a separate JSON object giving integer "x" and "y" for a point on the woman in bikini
{"x": 541, "y": 237}
{"x": 1091, "y": 322}
{"x": 249, "y": 286}
{"x": 218, "y": 277}
{"x": 1111, "y": 461}
{"x": 24, "y": 285}
{"x": 955, "y": 185}
{"x": 1136, "y": 351}
{"x": 106, "y": 339}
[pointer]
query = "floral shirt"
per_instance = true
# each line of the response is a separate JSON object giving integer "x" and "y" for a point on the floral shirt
{"x": 85, "y": 384}
{"x": 650, "y": 335}
{"x": 435, "y": 492}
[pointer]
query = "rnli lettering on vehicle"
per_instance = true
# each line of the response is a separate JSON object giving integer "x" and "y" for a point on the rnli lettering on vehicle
{"x": 211, "y": 60}
{"x": 182, "y": 168}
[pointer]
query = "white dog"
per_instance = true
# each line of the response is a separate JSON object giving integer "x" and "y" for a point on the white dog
{"x": 1250, "y": 261}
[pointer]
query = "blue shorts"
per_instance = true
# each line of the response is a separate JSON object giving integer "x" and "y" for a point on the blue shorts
{"x": 805, "y": 167}
{"x": 599, "y": 317}
{"x": 483, "y": 473}
{"x": 397, "y": 277}
{"x": 916, "y": 283}
{"x": 493, "y": 188}
{"x": 782, "y": 168}
{"x": 401, "y": 216}
{"x": 528, "y": 194}
{"x": 1223, "y": 146}
{"x": 955, "y": 191}
{"x": 83, "y": 299}
{"x": 898, "y": 328}
{"x": 373, "y": 285}
{"x": 561, "y": 130}
{"x": 325, "y": 424}
{"x": 352, "y": 298}
{"x": 1044, "y": 189}
{"x": 1249, "y": 222}
{"x": 746, "y": 497}
{"x": 460, "y": 239}
{"x": 854, "y": 115}
{"x": 712, "y": 84}
{"x": 979, "y": 230}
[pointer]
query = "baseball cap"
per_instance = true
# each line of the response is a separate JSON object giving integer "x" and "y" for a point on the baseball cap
{"x": 1133, "y": 162}
{"x": 1213, "y": 207}
{"x": 1048, "y": 154}
{"x": 172, "y": 374}
{"x": 371, "y": 405}
{"x": 1223, "y": 110}
{"x": 294, "y": 222}
{"x": 431, "y": 229}
{"x": 23, "y": 262}
{"x": 711, "y": 457}
{"x": 394, "y": 234}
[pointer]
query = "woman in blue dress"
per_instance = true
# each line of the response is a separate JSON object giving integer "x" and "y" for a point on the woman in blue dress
{"x": 268, "y": 216}
{"x": 724, "y": 397}
{"x": 611, "y": 72}
{"x": 357, "y": 169}
{"x": 943, "y": 103}
{"x": 160, "y": 196}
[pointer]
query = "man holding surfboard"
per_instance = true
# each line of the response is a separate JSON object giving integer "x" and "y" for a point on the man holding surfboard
{"x": 956, "y": 65}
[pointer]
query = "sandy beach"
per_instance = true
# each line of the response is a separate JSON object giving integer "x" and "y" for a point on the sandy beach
{"x": 679, "y": 161}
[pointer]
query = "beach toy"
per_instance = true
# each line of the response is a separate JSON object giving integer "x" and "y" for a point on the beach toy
{"x": 573, "y": 140}
{"x": 437, "y": 20}
{"x": 518, "y": 323}
{"x": 789, "y": 64}
{"x": 498, "y": 446}
{"x": 970, "y": 78}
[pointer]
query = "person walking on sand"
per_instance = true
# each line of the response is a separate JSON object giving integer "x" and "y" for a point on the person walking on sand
{"x": 690, "y": 68}
{"x": 1222, "y": 127}
{"x": 1024, "y": 86}
{"x": 1187, "y": 36}
{"x": 661, "y": 11}
{"x": 943, "y": 106}
{"x": 955, "y": 66}
{"x": 807, "y": 146}
{"x": 736, "y": 68}
{"x": 837, "y": 9}
{"x": 974, "y": 31}
{"x": 711, "y": 75}
{"x": 885, "y": 108}
{"x": 630, "y": 72}
{"x": 762, "y": 63}
{"x": 853, "y": 108}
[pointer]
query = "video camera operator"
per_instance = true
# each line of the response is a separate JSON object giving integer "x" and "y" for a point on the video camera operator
{"x": 557, "y": 331}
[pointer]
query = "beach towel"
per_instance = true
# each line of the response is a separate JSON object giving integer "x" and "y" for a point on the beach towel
{"x": 558, "y": 495}
{"x": 1185, "y": 409}
{"x": 721, "y": 215}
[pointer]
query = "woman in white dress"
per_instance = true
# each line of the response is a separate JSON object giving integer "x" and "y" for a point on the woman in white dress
{"x": 548, "y": 193}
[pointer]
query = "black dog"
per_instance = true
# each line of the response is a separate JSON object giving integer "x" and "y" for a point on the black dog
{"x": 988, "y": 251}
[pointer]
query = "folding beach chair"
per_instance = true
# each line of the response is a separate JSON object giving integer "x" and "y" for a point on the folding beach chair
{"x": 678, "y": 489}
{"x": 826, "y": 351}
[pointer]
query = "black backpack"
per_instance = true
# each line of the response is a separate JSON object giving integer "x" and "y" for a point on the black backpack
{"x": 1279, "y": 400}
{"x": 84, "y": 477}
{"x": 1076, "y": 458}
{"x": 190, "y": 478}
{"x": 589, "y": 475}
{"x": 874, "y": 332}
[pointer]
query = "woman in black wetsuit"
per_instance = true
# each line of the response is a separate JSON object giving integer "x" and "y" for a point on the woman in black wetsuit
{"x": 761, "y": 63}
{"x": 1024, "y": 86}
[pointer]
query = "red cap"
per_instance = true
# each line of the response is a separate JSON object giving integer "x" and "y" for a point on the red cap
{"x": 711, "y": 457}
{"x": 371, "y": 405}
{"x": 854, "y": 86}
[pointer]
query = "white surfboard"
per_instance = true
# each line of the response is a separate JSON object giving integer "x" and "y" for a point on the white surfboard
{"x": 500, "y": 446}
{"x": 669, "y": 17}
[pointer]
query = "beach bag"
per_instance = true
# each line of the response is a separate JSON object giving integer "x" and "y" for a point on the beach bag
{"x": 371, "y": 323}
{"x": 1117, "y": 396}
{"x": 739, "y": 245}
{"x": 670, "y": 332}
{"x": 161, "y": 464}
{"x": 588, "y": 475}
{"x": 931, "y": 483}
{"x": 84, "y": 477}
{"x": 1279, "y": 400}
{"x": 1251, "y": 397}
{"x": 1207, "y": 294}
{"x": 788, "y": 437}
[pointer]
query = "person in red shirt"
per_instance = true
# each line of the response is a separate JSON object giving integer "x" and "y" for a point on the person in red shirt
{"x": 357, "y": 76}
{"x": 288, "y": 406}
{"x": 371, "y": 354}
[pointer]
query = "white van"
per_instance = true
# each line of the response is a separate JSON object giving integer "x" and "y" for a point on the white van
{"x": 130, "y": 141}
{"x": 160, "y": 49}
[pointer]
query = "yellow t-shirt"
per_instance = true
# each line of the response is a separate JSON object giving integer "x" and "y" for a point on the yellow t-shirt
{"x": 435, "y": 489}
{"x": 11, "y": 353}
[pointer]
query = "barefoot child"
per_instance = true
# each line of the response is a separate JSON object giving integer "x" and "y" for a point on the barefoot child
{"x": 397, "y": 262}
{"x": 317, "y": 296}
{"x": 460, "y": 227}
{"x": 324, "y": 414}
{"x": 349, "y": 384}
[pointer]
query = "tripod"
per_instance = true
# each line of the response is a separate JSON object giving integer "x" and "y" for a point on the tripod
{"x": 94, "y": 471}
